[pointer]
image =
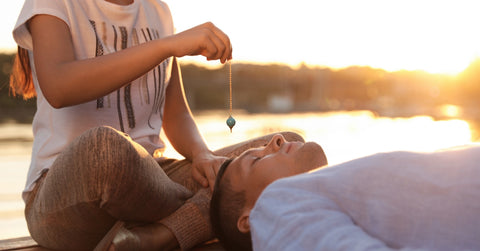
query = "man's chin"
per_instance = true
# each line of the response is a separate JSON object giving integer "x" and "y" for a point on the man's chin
{"x": 315, "y": 156}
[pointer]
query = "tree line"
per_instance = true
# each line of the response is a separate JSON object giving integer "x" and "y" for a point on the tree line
{"x": 401, "y": 93}
{"x": 280, "y": 88}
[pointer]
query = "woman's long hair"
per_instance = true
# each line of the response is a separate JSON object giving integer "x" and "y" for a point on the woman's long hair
{"x": 21, "y": 82}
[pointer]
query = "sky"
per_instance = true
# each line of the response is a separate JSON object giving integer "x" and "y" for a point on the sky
{"x": 435, "y": 36}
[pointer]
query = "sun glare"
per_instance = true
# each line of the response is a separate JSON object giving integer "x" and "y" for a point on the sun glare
{"x": 452, "y": 111}
{"x": 429, "y": 35}
{"x": 433, "y": 36}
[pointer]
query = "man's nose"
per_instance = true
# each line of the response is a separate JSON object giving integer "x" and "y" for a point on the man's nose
{"x": 276, "y": 142}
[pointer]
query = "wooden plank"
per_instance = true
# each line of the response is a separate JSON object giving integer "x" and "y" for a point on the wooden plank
{"x": 28, "y": 244}
{"x": 37, "y": 248}
{"x": 17, "y": 243}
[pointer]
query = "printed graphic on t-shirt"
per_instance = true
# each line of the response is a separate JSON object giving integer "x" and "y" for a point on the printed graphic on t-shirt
{"x": 118, "y": 38}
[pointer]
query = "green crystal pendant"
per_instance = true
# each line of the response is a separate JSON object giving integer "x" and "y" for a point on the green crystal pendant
{"x": 230, "y": 122}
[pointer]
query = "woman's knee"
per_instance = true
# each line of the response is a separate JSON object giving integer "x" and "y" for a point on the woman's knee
{"x": 104, "y": 137}
{"x": 106, "y": 147}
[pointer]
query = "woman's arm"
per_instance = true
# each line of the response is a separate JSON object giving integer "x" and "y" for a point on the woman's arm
{"x": 66, "y": 81}
{"x": 183, "y": 134}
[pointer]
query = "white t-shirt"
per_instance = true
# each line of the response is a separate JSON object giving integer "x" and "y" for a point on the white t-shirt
{"x": 390, "y": 201}
{"x": 98, "y": 28}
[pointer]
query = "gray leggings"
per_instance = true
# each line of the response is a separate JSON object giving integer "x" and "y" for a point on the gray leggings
{"x": 104, "y": 176}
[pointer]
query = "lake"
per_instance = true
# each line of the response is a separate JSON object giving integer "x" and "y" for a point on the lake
{"x": 343, "y": 136}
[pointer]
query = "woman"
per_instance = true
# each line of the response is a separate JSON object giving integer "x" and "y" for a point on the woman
{"x": 106, "y": 79}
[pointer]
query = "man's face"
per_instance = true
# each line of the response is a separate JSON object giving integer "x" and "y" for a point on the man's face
{"x": 256, "y": 168}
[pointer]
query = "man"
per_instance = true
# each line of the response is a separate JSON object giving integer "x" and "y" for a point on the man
{"x": 387, "y": 201}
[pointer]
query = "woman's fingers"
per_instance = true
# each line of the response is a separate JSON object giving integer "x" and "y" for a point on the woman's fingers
{"x": 210, "y": 174}
{"x": 206, "y": 176}
{"x": 222, "y": 42}
{"x": 214, "y": 46}
{"x": 226, "y": 44}
{"x": 206, "y": 40}
{"x": 199, "y": 177}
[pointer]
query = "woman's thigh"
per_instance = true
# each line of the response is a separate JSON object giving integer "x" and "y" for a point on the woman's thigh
{"x": 101, "y": 177}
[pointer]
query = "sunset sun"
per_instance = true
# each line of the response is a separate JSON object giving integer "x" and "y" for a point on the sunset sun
{"x": 434, "y": 36}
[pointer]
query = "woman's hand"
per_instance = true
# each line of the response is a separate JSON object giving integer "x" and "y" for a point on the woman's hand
{"x": 205, "y": 167}
{"x": 206, "y": 40}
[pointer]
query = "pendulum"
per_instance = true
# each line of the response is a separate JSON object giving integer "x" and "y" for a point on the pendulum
{"x": 230, "y": 120}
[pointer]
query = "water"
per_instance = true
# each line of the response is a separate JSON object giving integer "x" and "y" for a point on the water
{"x": 15, "y": 147}
{"x": 343, "y": 135}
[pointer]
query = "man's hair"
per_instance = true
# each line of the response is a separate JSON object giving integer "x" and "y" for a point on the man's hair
{"x": 225, "y": 209}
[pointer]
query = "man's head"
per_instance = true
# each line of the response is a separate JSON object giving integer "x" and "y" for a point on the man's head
{"x": 240, "y": 182}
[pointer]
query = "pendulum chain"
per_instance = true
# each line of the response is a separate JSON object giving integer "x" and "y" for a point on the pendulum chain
{"x": 230, "y": 84}
{"x": 230, "y": 120}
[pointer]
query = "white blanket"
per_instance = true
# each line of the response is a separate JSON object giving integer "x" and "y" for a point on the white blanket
{"x": 387, "y": 201}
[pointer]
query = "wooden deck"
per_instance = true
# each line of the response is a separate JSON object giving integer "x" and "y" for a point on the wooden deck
{"x": 28, "y": 244}
{"x": 22, "y": 243}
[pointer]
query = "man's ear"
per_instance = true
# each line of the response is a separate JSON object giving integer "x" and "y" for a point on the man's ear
{"x": 243, "y": 222}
